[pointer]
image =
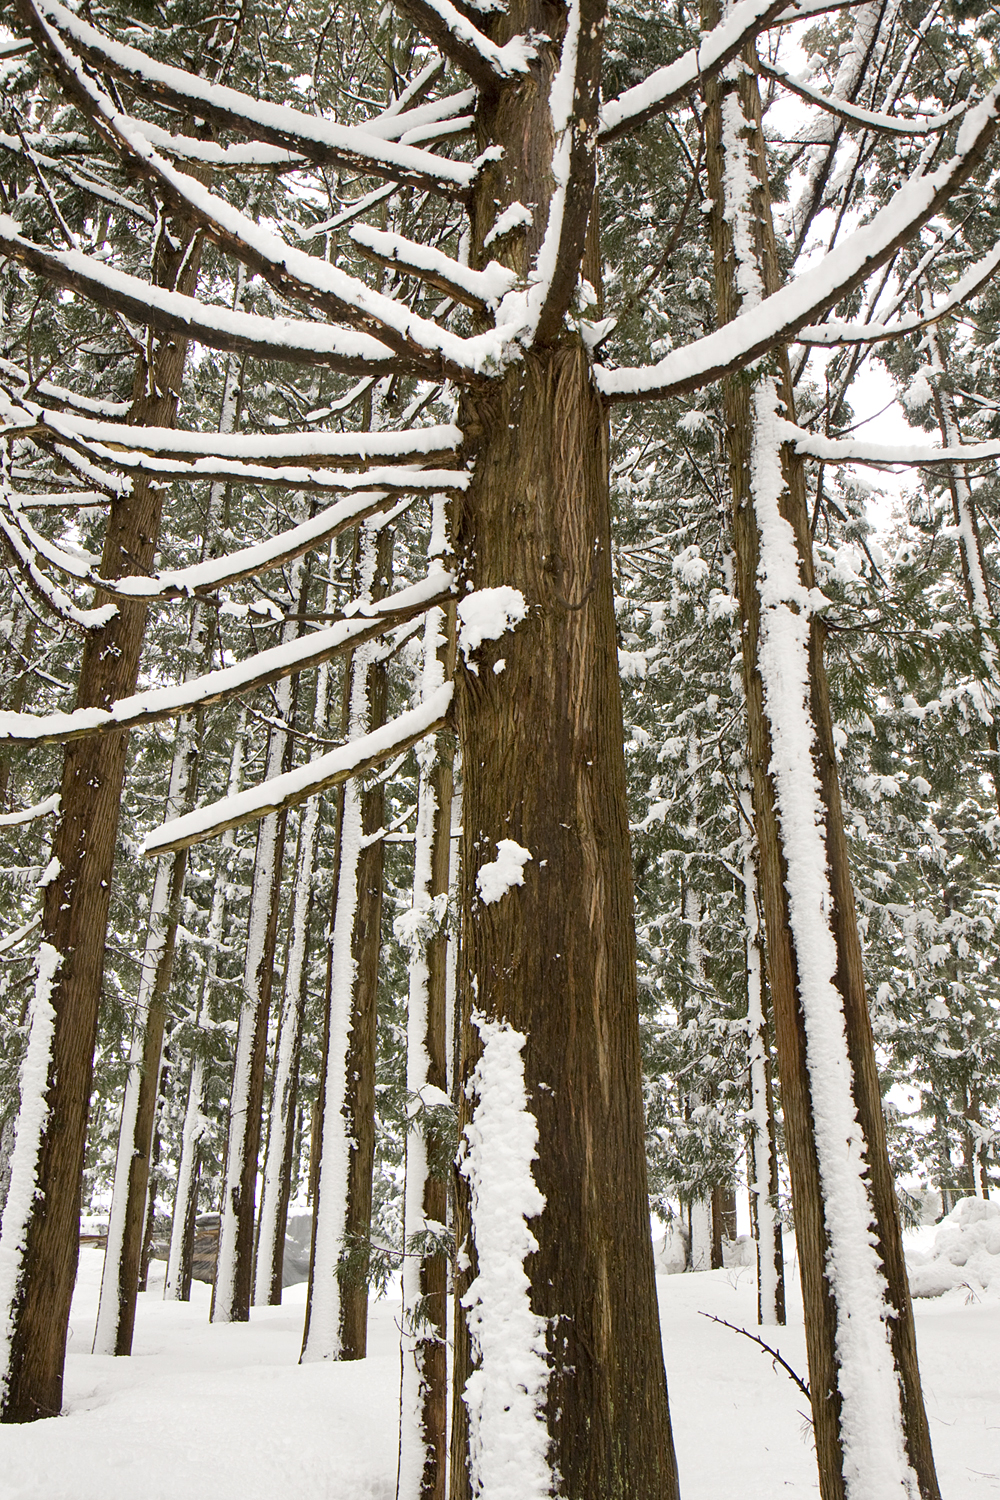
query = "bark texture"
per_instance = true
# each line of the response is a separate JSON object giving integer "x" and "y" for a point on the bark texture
{"x": 543, "y": 765}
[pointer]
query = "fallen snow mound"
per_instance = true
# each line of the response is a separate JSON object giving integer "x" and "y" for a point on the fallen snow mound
{"x": 966, "y": 1252}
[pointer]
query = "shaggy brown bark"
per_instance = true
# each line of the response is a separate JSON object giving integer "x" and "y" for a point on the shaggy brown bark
{"x": 75, "y": 908}
{"x": 782, "y": 960}
{"x": 543, "y": 765}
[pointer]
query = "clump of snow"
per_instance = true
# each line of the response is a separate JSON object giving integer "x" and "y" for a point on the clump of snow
{"x": 632, "y": 664}
{"x": 965, "y": 1253}
{"x": 508, "y": 1437}
{"x": 514, "y": 217}
{"x": 690, "y": 567}
{"x": 485, "y": 614}
{"x": 496, "y": 878}
{"x": 918, "y": 394}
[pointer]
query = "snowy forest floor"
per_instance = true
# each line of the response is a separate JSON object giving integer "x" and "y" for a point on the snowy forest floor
{"x": 226, "y": 1413}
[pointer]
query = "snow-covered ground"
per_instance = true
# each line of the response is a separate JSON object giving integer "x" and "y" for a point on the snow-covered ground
{"x": 226, "y": 1413}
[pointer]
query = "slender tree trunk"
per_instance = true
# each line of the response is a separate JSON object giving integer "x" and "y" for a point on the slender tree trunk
{"x": 423, "y": 1467}
{"x": 550, "y": 966}
{"x": 119, "y": 1281}
{"x": 335, "y": 1326}
{"x": 40, "y": 1238}
{"x": 870, "y": 1428}
{"x": 975, "y": 578}
{"x": 762, "y": 1149}
{"x": 120, "y": 1277}
{"x": 366, "y": 945}
{"x": 231, "y": 1294}
{"x": 177, "y": 1283}
{"x": 276, "y": 1185}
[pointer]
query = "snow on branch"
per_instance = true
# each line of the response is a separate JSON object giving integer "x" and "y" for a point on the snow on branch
{"x": 363, "y": 623}
{"x": 664, "y": 88}
{"x": 395, "y": 123}
{"x": 477, "y": 289}
{"x": 780, "y": 317}
{"x": 29, "y": 814}
{"x": 322, "y": 142}
{"x": 216, "y": 327}
{"x": 206, "y": 577}
{"x": 120, "y": 442}
{"x": 292, "y": 271}
{"x": 853, "y": 115}
{"x": 834, "y": 333}
{"x": 51, "y": 597}
{"x": 454, "y": 34}
{"x": 280, "y": 792}
{"x": 884, "y": 455}
{"x": 60, "y": 397}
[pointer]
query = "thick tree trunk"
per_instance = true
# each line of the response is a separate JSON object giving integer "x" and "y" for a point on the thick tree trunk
{"x": 553, "y": 961}
{"x": 44, "y": 1244}
{"x": 852, "y": 1370}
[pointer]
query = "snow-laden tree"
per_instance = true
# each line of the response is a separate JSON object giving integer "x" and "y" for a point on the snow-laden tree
{"x": 556, "y": 1276}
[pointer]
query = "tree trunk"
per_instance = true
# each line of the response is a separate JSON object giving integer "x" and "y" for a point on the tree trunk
{"x": 120, "y": 1277}
{"x": 232, "y": 1291}
{"x": 762, "y": 1145}
{"x": 177, "y": 1282}
{"x": 336, "y": 1316}
{"x": 366, "y": 944}
{"x": 869, "y": 1423}
{"x": 43, "y": 1236}
{"x": 552, "y": 962}
{"x": 277, "y": 1176}
{"x": 423, "y": 1466}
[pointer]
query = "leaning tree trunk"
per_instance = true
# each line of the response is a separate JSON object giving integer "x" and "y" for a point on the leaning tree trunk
{"x": 40, "y": 1238}
{"x": 870, "y": 1428}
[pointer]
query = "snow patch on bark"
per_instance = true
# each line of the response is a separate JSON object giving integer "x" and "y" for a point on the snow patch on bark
{"x": 495, "y": 879}
{"x": 486, "y": 614}
{"x": 875, "y": 1463}
{"x": 32, "y": 1119}
{"x": 505, "y": 1394}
